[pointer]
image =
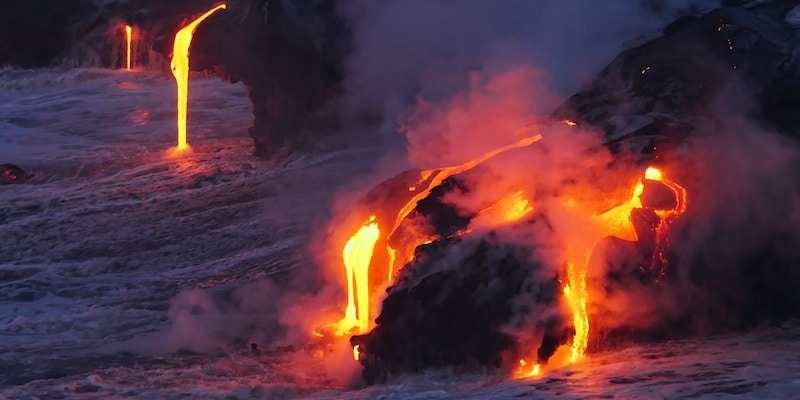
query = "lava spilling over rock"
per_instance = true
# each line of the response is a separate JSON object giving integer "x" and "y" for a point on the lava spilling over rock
{"x": 289, "y": 54}
{"x": 39, "y": 33}
{"x": 477, "y": 299}
{"x": 457, "y": 303}
{"x": 653, "y": 98}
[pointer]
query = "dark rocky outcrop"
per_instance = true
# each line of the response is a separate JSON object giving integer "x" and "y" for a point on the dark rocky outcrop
{"x": 288, "y": 53}
{"x": 648, "y": 101}
{"x": 456, "y": 305}
{"x": 654, "y": 98}
{"x": 38, "y": 33}
{"x": 651, "y": 97}
{"x": 478, "y": 300}
{"x": 10, "y": 174}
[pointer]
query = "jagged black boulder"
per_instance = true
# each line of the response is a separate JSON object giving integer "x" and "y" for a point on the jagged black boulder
{"x": 38, "y": 33}
{"x": 650, "y": 98}
{"x": 458, "y": 304}
{"x": 10, "y": 174}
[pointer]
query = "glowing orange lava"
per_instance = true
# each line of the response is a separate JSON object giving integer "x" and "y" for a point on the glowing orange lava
{"x": 357, "y": 255}
{"x": 524, "y": 372}
{"x": 615, "y": 222}
{"x": 665, "y": 217}
{"x": 577, "y": 297}
{"x": 440, "y": 175}
{"x": 509, "y": 209}
{"x": 180, "y": 69}
{"x": 128, "y": 34}
{"x": 358, "y": 251}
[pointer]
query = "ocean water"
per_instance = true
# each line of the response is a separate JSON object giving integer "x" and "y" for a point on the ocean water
{"x": 112, "y": 234}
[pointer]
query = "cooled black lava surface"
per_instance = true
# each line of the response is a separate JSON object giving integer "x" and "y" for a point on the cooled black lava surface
{"x": 10, "y": 173}
{"x": 454, "y": 306}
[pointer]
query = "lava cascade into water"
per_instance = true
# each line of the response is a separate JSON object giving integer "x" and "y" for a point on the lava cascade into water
{"x": 128, "y": 36}
{"x": 615, "y": 222}
{"x": 180, "y": 69}
{"x": 358, "y": 251}
{"x": 357, "y": 256}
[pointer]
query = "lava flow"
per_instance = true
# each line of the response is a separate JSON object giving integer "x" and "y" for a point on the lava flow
{"x": 128, "y": 34}
{"x": 358, "y": 252}
{"x": 580, "y": 244}
{"x": 357, "y": 255}
{"x": 615, "y": 222}
{"x": 180, "y": 69}
{"x": 509, "y": 209}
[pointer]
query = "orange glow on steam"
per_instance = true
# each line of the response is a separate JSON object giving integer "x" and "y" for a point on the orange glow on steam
{"x": 358, "y": 251}
{"x": 526, "y": 372}
{"x": 509, "y": 209}
{"x": 615, "y": 222}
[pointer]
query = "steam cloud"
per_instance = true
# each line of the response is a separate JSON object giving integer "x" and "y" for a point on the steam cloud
{"x": 460, "y": 79}
{"x": 428, "y": 49}
{"x": 457, "y": 81}
{"x": 207, "y": 321}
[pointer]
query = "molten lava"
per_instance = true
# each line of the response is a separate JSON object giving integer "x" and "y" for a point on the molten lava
{"x": 665, "y": 217}
{"x": 357, "y": 255}
{"x": 128, "y": 34}
{"x": 615, "y": 222}
{"x": 579, "y": 245}
{"x": 524, "y": 372}
{"x": 577, "y": 297}
{"x": 439, "y": 176}
{"x": 507, "y": 210}
{"x": 180, "y": 69}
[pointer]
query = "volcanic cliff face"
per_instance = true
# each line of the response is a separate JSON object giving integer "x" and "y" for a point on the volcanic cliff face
{"x": 714, "y": 99}
{"x": 657, "y": 93}
{"x": 289, "y": 54}
{"x": 38, "y": 33}
{"x": 665, "y": 96}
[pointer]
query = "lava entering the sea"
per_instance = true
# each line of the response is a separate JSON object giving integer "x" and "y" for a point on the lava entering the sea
{"x": 373, "y": 256}
{"x": 128, "y": 36}
{"x": 180, "y": 69}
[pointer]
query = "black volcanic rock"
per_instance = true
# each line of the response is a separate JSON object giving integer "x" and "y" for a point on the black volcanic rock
{"x": 10, "y": 174}
{"x": 457, "y": 305}
{"x": 651, "y": 97}
{"x": 288, "y": 53}
{"x": 37, "y": 33}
